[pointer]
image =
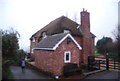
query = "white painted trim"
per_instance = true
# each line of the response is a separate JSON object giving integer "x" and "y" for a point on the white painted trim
{"x": 64, "y": 39}
{"x": 66, "y": 31}
{"x": 67, "y": 61}
{"x": 43, "y": 48}
{"x": 33, "y": 39}
{"x": 55, "y": 47}
{"x": 44, "y": 35}
{"x": 32, "y": 51}
{"x": 80, "y": 48}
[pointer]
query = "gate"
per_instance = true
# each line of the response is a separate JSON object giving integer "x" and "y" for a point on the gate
{"x": 103, "y": 62}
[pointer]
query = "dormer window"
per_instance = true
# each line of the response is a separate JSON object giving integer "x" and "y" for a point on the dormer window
{"x": 44, "y": 35}
{"x": 33, "y": 39}
{"x": 66, "y": 31}
{"x": 78, "y": 27}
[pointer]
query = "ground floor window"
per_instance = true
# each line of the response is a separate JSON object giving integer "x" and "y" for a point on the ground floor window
{"x": 67, "y": 56}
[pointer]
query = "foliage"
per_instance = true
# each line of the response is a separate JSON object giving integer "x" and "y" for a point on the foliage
{"x": 9, "y": 44}
{"x": 30, "y": 59}
{"x": 6, "y": 73}
{"x": 104, "y": 44}
{"x": 97, "y": 54}
{"x": 9, "y": 50}
{"x": 20, "y": 55}
{"x": 116, "y": 34}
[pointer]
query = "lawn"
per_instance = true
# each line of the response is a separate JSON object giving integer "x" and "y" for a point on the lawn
{"x": 98, "y": 54}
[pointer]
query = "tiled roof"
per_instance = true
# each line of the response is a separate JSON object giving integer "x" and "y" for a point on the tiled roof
{"x": 51, "y": 41}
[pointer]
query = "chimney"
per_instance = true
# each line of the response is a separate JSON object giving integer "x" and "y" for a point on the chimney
{"x": 85, "y": 19}
{"x": 85, "y": 27}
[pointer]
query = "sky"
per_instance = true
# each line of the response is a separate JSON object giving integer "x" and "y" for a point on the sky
{"x": 29, "y": 16}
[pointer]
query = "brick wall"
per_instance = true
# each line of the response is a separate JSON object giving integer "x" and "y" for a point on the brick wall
{"x": 88, "y": 41}
{"x": 32, "y": 45}
{"x": 53, "y": 61}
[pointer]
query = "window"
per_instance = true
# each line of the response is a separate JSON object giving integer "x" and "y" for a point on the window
{"x": 66, "y": 31}
{"x": 67, "y": 56}
{"x": 32, "y": 51}
{"x": 78, "y": 27}
{"x": 44, "y": 35}
{"x": 33, "y": 39}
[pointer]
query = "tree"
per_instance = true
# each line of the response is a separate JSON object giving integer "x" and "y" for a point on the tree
{"x": 21, "y": 54}
{"x": 9, "y": 44}
{"x": 75, "y": 18}
{"x": 103, "y": 45}
{"x": 10, "y": 48}
{"x": 116, "y": 34}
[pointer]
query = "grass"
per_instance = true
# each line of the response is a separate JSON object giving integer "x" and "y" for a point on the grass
{"x": 10, "y": 75}
{"x": 98, "y": 54}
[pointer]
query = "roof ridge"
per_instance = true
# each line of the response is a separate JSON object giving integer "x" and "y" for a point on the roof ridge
{"x": 59, "y": 24}
{"x": 57, "y": 35}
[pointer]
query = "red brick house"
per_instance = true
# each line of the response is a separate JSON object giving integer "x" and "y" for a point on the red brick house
{"x": 62, "y": 41}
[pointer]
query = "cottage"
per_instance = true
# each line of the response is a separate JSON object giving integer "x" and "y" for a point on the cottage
{"x": 62, "y": 41}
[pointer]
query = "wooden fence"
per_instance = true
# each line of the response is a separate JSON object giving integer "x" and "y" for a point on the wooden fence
{"x": 105, "y": 62}
{"x": 108, "y": 63}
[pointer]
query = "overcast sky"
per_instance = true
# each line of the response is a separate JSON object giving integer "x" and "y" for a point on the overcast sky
{"x": 29, "y": 16}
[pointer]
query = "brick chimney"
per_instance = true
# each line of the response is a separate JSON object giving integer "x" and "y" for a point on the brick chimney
{"x": 85, "y": 19}
{"x": 85, "y": 27}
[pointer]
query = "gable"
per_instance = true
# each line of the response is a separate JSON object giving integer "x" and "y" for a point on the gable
{"x": 53, "y": 42}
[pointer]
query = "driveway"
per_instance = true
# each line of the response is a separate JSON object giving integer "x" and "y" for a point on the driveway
{"x": 28, "y": 74}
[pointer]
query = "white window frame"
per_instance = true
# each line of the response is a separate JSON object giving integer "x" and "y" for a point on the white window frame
{"x": 32, "y": 51}
{"x": 44, "y": 35}
{"x": 66, "y": 31}
{"x": 67, "y": 52}
{"x": 33, "y": 40}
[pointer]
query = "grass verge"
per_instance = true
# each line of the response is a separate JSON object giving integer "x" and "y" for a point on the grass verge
{"x": 10, "y": 75}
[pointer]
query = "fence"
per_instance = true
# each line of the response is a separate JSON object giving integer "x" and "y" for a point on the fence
{"x": 108, "y": 63}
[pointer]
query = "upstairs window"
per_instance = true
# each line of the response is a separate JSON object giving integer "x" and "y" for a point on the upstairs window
{"x": 67, "y": 56}
{"x": 44, "y": 35}
{"x": 33, "y": 39}
{"x": 78, "y": 27}
{"x": 66, "y": 31}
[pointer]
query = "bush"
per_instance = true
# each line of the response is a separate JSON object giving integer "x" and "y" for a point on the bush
{"x": 30, "y": 59}
{"x": 6, "y": 72}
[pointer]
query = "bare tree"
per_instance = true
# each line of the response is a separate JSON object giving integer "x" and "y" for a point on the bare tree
{"x": 75, "y": 17}
{"x": 116, "y": 33}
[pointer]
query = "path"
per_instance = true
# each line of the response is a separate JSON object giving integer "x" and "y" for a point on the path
{"x": 28, "y": 74}
{"x": 105, "y": 75}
